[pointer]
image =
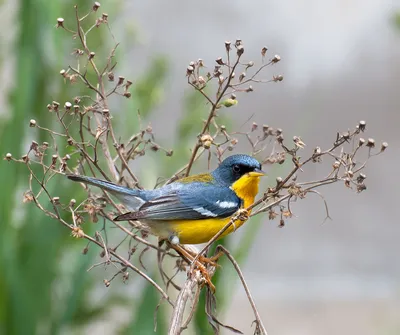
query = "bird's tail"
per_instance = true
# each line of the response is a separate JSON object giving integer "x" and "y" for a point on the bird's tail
{"x": 105, "y": 185}
{"x": 131, "y": 198}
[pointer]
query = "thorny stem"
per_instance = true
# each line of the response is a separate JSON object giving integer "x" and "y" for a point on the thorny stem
{"x": 101, "y": 94}
{"x": 254, "y": 75}
{"x": 107, "y": 124}
{"x": 268, "y": 195}
{"x": 211, "y": 115}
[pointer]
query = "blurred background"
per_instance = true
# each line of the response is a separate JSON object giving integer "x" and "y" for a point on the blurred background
{"x": 341, "y": 64}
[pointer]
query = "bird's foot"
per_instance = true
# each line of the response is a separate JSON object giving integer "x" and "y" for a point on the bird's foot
{"x": 205, "y": 274}
{"x": 242, "y": 214}
{"x": 197, "y": 263}
{"x": 212, "y": 261}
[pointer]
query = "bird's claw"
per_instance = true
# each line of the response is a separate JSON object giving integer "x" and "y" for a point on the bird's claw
{"x": 242, "y": 214}
{"x": 198, "y": 262}
{"x": 212, "y": 261}
{"x": 206, "y": 277}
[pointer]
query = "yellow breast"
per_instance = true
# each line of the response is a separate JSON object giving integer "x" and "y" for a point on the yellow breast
{"x": 201, "y": 231}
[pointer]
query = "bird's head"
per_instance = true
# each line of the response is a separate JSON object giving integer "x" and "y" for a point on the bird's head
{"x": 236, "y": 166}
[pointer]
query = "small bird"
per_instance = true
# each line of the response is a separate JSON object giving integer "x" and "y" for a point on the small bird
{"x": 193, "y": 209}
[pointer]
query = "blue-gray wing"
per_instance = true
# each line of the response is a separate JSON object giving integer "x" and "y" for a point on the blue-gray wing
{"x": 193, "y": 201}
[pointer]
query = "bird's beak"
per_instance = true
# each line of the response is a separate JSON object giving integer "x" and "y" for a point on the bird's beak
{"x": 257, "y": 173}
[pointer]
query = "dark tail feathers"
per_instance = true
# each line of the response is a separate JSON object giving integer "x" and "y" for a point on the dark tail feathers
{"x": 106, "y": 185}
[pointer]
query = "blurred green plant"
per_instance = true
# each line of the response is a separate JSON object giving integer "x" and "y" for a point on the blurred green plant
{"x": 396, "y": 19}
{"x": 37, "y": 293}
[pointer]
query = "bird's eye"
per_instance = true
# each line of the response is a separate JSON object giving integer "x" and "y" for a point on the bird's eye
{"x": 236, "y": 168}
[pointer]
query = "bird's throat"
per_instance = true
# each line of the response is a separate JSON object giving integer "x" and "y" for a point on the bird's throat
{"x": 246, "y": 188}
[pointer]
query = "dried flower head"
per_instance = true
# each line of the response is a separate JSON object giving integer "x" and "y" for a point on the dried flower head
{"x": 272, "y": 214}
{"x": 189, "y": 70}
{"x": 371, "y": 143}
{"x": 206, "y": 140}
{"x": 77, "y": 232}
{"x": 264, "y": 51}
{"x": 92, "y": 210}
{"x": 298, "y": 142}
{"x": 54, "y": 159}
{"x": 67, "y": 106}
{"x": 240, "y": 50}
{"x": 125, "y": 276}
{"x": 316, "y": 155}
{"x": 361, "y": 187}
{"x": 27, "y": 197}
{"x": 60, "y": 22}
{"x": 361, "y": 178}
{"x": 276, "y": 59}
{"x": 72, "y": 203}
{"x": 201, "y": 80}
{"x": 362, "y": 125}
{"x": 128, "y": 84}
{"x": 55, "y": 105}
{"x": 96, "y": 6}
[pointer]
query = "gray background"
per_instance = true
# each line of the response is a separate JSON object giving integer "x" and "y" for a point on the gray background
{"x": 340, "y": 60}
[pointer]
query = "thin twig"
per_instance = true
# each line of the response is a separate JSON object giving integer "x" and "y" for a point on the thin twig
{"x": 260, "y": 328}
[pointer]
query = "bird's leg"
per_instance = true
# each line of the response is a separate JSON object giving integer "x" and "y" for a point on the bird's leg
{"x": 174, "y": 240}
{"x": 188, "y": 257}
{"x": 216, "y": 257}
{"x": 212, "y": 261}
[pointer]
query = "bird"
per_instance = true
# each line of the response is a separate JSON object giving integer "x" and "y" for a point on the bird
{"x": 193, "y": 209}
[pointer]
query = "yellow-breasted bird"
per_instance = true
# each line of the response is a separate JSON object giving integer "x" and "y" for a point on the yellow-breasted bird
{"x": 193, "y": 209}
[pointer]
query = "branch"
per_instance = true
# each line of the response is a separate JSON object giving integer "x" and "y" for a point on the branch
{"x": 176, "y": 323}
